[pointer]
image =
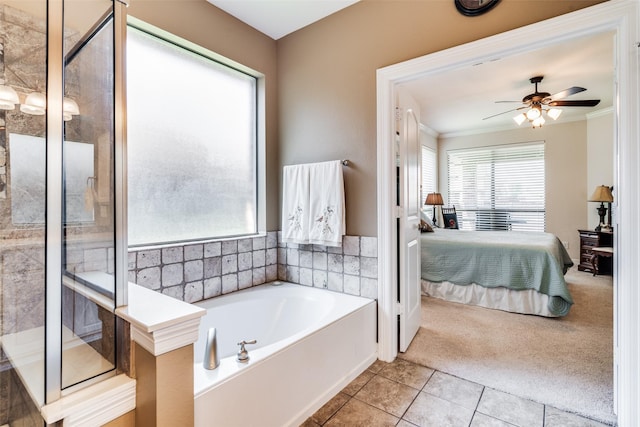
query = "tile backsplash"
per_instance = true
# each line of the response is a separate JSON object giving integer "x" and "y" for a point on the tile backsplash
{"x": 352, "y": 268}
{"x": 194, "y": 272}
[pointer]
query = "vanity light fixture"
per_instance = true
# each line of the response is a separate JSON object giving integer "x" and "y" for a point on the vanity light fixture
{"x": 69, "y": 109}
{"x": 8, "y": 97}
{"x": 35, "y": 104}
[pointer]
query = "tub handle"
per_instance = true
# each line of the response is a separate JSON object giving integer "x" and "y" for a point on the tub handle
{"x": 243, "y": 354}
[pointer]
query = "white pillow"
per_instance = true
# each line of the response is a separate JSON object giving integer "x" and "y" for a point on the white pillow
{"x": 425, "y": 218}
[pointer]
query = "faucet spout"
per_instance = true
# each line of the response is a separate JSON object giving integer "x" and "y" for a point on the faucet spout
{"x": 211, "y": 359}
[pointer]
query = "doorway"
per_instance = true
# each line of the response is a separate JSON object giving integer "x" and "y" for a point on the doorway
{"x": 619, "y": 17}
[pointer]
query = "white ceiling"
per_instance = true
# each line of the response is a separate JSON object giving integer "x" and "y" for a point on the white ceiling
{"x": 458, "y": 100}
{"x": 277, "y": 18}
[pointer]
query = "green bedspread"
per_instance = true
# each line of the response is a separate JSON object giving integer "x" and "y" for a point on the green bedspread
{"x": 516, "y": 260}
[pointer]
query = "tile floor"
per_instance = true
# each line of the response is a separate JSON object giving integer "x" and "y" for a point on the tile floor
{"x": 405, "y": 394}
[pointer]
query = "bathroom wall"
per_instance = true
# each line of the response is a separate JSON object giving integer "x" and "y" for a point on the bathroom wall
{"x": 327, "y": 79}
{"x": 206, "y": 270}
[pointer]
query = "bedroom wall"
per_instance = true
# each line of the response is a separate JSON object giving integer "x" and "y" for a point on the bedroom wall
{"x": 565, "y": 169}
{"x": 327, "y": 79}
{"x": 600, "y": 160}
{"x": 200, "y": 22}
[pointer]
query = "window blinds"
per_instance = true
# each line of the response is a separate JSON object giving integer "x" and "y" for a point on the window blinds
{"x": 429, "y": 172}
{"x": 498, "y": 188}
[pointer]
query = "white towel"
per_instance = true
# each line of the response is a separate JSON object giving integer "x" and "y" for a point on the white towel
{"x": 326, "y": 204}
{"x": 295, "y": 204}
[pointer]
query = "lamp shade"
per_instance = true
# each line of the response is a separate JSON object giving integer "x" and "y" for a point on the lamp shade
{"x": 554, "y": 113}
{"x": 434, "y": 199}
{"x": 602, "y": 194}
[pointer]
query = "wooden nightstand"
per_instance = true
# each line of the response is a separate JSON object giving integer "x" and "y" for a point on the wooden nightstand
{"x": 591, "y": 239}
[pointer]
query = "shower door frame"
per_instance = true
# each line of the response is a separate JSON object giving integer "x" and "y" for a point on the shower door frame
{"x": 54, "y": 195}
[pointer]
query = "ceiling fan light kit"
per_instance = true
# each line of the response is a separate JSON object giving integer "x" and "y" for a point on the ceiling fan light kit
{"x": 539, "y": 102}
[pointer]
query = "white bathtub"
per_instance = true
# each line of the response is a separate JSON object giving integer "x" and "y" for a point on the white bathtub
{"x": 311, "y": 343}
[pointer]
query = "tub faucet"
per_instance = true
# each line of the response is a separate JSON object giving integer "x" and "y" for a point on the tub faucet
{"x": 211, "y": 359}
{"x": 243, "y": 354}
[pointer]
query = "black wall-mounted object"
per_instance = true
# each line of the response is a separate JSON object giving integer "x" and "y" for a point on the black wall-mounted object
{"x": 475, "y": 7}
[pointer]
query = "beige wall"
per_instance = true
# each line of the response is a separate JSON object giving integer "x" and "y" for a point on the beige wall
{"x": 565, "y": 172}
{"x": 203, "y": 24}
{"x": 327, "y": 79}
{"x": 600, "y": 166}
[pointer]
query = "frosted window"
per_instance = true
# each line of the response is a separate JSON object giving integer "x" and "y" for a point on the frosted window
{"x": 191, "y": 145}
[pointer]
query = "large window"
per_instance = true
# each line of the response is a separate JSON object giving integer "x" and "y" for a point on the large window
{"x": 192, "y": 144}
{"x": 429, "y": 172}
{"x": 498, "y": 188}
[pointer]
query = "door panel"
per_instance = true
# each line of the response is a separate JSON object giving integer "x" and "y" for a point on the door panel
{"x": 409, "y": 233}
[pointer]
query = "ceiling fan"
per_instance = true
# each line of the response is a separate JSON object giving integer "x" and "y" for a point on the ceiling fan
{"x": 539, "y": 102}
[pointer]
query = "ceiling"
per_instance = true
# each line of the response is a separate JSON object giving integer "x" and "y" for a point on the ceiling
{"x": 277, "y": 18}
{"x": 458, "y": 100}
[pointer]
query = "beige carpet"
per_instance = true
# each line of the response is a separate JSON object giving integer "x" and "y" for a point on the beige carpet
{"x": 566, "y": 363}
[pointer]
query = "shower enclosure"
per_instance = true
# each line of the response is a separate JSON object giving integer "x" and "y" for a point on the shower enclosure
{"x": 62, "y": 245}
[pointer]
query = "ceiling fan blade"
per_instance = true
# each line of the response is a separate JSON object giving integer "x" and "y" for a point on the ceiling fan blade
{"x": 500, "y": 102}
{"x": 567, "y": 92}
{"x": 504, "y": 112}
{"x": 582, "y": 103}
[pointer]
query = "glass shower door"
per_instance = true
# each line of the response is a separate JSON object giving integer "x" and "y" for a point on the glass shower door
{"x": 88, "y": 281}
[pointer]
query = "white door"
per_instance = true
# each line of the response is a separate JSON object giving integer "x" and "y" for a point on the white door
{"x": 409, "y": 218}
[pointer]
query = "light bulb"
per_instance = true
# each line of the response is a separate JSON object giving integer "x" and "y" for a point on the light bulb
{"x": 554, "y": 113}
{"x": 8, "y": 97}
{"x": 35, "y": 104}
{"x": 533, "y": 113}
{"x": 520, "y": 118}
{"x": 537, "y": 123}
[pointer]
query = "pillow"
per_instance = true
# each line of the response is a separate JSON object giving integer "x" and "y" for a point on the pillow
{"x": 425, "y": 227}
{"x": 425, "y": 218}
{"x": 450, "y": 220}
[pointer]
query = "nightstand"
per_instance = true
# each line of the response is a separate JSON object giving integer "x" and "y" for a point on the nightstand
{"x": 590, "y": 239}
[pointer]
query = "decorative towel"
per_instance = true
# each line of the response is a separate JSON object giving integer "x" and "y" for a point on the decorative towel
{"x": 313, "y": 208}
{"x": 326, "y": 204}
{"x": 295, "y": 204}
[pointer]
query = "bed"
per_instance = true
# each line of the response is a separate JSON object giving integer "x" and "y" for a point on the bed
{"x": 521, "y": 272}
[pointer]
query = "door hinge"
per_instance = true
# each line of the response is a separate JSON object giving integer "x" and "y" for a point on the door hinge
{"x": 399, "y": 308}
{"x": 398, "y": 114}
{"x": 398, "y": 211}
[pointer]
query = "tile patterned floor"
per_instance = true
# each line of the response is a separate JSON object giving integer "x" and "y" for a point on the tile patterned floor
{"x": 405, "y": 394}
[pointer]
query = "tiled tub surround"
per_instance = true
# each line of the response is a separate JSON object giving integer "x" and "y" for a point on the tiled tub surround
{"x": 352, "y": 269}
{"x": 193, "y": 272}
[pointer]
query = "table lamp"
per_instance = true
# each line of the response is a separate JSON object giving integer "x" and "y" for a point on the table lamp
{"x": 434, "y": 199}
{"x": 602, "y": 194}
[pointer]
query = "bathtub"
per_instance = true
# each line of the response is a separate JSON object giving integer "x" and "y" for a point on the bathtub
{"x": 310, "y": 344}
